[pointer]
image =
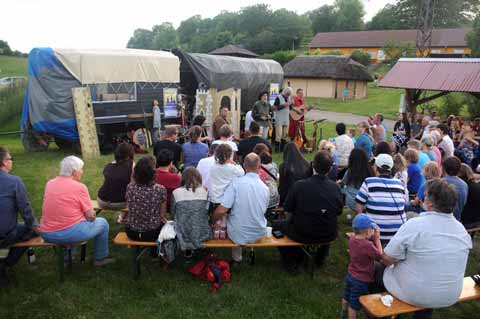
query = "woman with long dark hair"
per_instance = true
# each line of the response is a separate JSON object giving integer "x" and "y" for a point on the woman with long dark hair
{"x": 200, "y": 121}
{"x": 293, "y": 168}
{"x": 194, "y": 150}
{"x": 358, "y": 170}
{"x": 146, "y": 202}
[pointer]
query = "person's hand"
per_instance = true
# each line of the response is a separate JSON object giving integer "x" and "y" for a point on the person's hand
{"x": 376, "y": 234}
{"x": 36, "y": 229}
{"x": 163, "y": 219}
{"x": 264, "y": 118}
{"x": 269, "y": 117}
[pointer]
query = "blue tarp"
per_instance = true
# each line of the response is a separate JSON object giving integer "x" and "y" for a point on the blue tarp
{"x": 48, "y": 104}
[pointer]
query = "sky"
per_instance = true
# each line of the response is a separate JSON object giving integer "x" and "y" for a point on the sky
{"x": 26, "y": 24}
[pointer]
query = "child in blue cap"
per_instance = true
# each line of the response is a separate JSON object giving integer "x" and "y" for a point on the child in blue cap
{"x": 364, "y": 248}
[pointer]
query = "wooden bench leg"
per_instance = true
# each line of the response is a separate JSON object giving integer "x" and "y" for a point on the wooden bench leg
{"x": 310, "y": 259}
{"x": 252, "y": 257}
{"x": 83, "y": 253}
{"x": 60, "y": 262}
{"x": 137, "y": 254}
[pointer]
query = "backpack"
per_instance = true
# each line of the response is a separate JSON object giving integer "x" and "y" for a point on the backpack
{"x": 212, "y": 270}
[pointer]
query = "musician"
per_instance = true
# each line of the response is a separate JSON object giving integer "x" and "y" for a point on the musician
{"x": 297, "y": 116}
{"x": 261, "y": 114}
{"x": 281, "y": 109}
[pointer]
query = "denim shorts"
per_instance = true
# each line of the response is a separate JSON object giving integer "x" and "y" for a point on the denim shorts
{"x": 353, "y": 290}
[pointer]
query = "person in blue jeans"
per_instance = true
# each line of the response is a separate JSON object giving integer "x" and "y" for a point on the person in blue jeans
{"x": 67, "y": 213}
{"x": 13, "y": 200}
{"x": 365, "y": 140}
{"x": 364, "y": 249}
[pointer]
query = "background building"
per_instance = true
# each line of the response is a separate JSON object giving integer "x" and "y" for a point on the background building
{"x": 445, "y": 42}
{"x": 327, "y": 76}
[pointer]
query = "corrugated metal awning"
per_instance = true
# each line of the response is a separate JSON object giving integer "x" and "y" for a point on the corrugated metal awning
{"x": 453, "y": 75}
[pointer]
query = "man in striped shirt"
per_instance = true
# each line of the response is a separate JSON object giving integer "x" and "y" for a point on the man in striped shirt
{"x": 383, "y": 199}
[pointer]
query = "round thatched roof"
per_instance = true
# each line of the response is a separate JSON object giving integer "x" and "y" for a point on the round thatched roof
{"x": 326, "y": 67}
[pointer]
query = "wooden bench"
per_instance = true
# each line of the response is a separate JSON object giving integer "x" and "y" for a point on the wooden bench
{"x": 59, "y": 250}
{"x": 97, "y": 209}
{"x": 474, "y": 229}
{"x": 374, "y": 307}
{"x": 140, "y": 247}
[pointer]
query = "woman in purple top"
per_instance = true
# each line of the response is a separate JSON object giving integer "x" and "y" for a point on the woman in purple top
{"x": 194, "y": 150}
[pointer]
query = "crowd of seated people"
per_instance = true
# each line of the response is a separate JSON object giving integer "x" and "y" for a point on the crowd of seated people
{"x": 224, "y": 191}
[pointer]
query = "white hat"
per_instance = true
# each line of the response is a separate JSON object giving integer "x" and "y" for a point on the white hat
{"x": 384, "y": 161}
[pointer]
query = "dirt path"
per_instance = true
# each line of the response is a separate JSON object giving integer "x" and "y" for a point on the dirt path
{"x": 347, "y": 118}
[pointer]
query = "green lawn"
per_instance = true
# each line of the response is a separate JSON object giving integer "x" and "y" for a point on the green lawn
{"x": 263, "y": 290}
{"x": 385, "y": 101}
{"x": 12, "y": 66}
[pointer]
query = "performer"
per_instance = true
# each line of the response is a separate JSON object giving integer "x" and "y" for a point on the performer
{"x": 281, "y": 108}
{"x": 297, "y": 116}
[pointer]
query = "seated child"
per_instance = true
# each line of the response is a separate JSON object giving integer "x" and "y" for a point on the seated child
{"x": 363, "y": 252}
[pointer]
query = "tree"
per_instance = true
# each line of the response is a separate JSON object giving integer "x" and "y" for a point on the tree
{"x": 387, "y": 19}
{"x": 349, "y": 15}
{"x": 255, "y": 19}
{"x": 289, "y": 29}
{"x": 473, "y": 37}
{"x": 396, "y": 50}
{"x": 282, "y": 57}
{"x": 164, "y": 36}
{"x": 361, "y": 57}
{"x": 5, "y": 48}
{"x": 403, "y": 14}
{"x": 141, "y": 39}
{"x": 323, "y": 19}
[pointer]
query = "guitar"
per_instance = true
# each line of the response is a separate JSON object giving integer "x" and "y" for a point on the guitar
{"x": 298, "y": 111}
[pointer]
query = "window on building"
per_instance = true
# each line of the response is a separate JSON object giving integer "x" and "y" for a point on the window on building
{"x": 113, "y": 92}
{"x": 458, "y": 51}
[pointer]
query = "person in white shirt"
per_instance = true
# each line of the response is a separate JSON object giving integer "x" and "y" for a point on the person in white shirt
{"x": 446, "y": 143}
{"x": 429, "y": 254}
{"x": 343, "y": 145}
{"x": 226, "y": 134}
{"x": 205, "y": 164}
{"x": 222, "y": 173}
{"x": 248, "y": 120}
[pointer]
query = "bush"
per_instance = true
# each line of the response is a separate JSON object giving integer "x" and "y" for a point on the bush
{"x": 11, "y": 104}
{"x": 282, "y": 57}
{"x": 361, "y": 57}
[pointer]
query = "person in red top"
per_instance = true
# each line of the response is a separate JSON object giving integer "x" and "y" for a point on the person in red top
{"x": 164, "y": 176}
{"x": 297, "y": 125}
{"x": 361, "y": 270}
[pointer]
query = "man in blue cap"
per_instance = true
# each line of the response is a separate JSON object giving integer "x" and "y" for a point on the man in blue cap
{"x": 364, "y": 248}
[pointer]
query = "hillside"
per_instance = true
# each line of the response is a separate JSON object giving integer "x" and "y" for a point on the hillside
{"x": 12, "y": 66}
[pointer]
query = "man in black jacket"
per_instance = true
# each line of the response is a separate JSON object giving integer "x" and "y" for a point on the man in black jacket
{"x": 315, "y": 204}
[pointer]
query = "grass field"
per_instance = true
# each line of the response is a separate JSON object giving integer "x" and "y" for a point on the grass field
{"x": 12, "y": 66}
{"x": 385, "y": 101}
{"x": 262, "y": 290}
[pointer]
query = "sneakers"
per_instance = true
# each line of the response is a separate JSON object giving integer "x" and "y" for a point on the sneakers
{"x": 104, "y": 261}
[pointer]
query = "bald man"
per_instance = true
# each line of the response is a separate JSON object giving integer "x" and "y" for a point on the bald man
{"x": 244, "y": 203}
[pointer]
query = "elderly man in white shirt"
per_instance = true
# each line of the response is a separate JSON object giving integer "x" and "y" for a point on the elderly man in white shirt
{"x": 427, "y": 257}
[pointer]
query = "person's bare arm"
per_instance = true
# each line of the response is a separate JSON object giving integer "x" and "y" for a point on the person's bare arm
{"x": 163, "y": 212}
{"x": 376, "y": 240}
{"x": 90, "y": 215}
{"x": 387, "y": 260}
{"x": 219, "y": 213}
{"x": 359, "y": 208}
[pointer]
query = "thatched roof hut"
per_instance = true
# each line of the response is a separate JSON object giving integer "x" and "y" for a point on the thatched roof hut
{"x": 234, "y": 50}
{"x": 327, "y": 76}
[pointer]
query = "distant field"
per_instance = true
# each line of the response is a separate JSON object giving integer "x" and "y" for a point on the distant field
{"x": 385, "y": 101}
{"x": 12, "y": 66}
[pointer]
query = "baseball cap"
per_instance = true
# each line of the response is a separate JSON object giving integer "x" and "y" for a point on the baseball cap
{"x": 362, "y": 222}
{"x": 384, "y": 161}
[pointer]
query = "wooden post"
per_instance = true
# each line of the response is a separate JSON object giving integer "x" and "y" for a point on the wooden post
{"x": 82, "y": 105}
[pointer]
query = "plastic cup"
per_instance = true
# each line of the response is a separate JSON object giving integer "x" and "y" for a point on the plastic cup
{"x": 269, "y": 231}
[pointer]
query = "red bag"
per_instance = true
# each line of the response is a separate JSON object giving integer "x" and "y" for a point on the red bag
{"x": 215, "y": 271}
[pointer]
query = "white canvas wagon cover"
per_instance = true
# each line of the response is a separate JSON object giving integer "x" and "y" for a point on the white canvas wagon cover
{"x": 90, "y": 66}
